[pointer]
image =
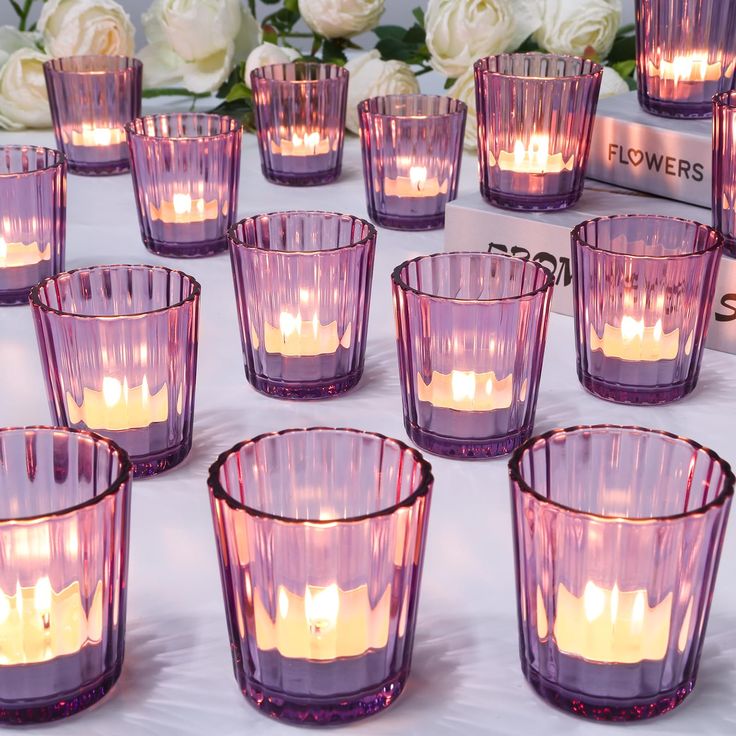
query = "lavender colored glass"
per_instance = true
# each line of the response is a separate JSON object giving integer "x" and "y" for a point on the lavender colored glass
{"x": 618, "y": 533}
{"x": 535, "y": 119}
{"x": 321, "y": 536}
{"x": 471, "y": 330}
{"x": 300, "y": 118}
{"x": 724, "y": 168}
{"x": 643, "y": 290}
{"x": 686, "y": 53}
{"x": 119, "y": 350}
{"x": 32, "y": 218}
{"x": 412, "y": 150}
{"x": 186, "y": 172}
{"x": 65, "y": 509}
{"x": 92, "y": 97}
{"x": 303, "y": 286}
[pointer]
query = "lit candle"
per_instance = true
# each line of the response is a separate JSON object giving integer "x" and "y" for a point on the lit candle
{"x": 468, "y": 391}
{"x": 306, "y": 144}
{"x": 297, "y": 337}
{"x": 91, "y": 135}
{"x": 685, "y": 69}
{"x": 635, "y": 341}
{"x": 533, "y": 158}
{"x": 415, "y": 185}
{"x": 183, "y": 210}
{"x": 13, "y": 255}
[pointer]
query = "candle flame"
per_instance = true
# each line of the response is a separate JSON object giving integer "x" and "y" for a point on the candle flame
{"x": 463, "y": 385}
{"x": 321, "y": 606}
{"x": 308, "y": 141}
{"x": 418, "y": 177}
{"x": 182, "y": 203}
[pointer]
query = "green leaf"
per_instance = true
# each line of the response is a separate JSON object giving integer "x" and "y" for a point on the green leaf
{"x": 418, "y": 13}
{"x": 625, "y": 68}
{"x": 529, "y": 45}
{"x": 270, "y": 2}
{"x": 449, "y": 82}
{"x": 333, "y": 51}
{"x": 292, "y": 5}
{"x": 416, "y": 34}
{"x": 624, "y": 45}
{"x": 396, "y": 32}
{"x": 392, "y": 48}
{"x": 238, "y": 92}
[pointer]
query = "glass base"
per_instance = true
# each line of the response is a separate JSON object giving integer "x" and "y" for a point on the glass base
{"x": 14, "y": 297}
{"x": 465, "y": 449}
{"x": 642, "y": 396}
{"x": 310, "y": 179}
{"x": 530, "y": 202}
{"x": 158, "y": 462}
{"x": 108, "y": 168}
{"x": 304, "y": 390}
{"x": 399, "y": 222}
{"x": 199, "y": 249}
{"x": 608, "y": 709}
{"x": 324, "y": 711}
{"x": 670, "y": 109}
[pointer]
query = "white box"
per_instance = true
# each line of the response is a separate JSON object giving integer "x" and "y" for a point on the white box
{"x": 662, "y": 156}
{"x": 473, "y": 224}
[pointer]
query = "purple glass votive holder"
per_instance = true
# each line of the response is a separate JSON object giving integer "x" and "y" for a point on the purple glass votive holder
{"x": 65, "y": 510}
{"x": 618, "y": 533}
{"x": 303, "y": 287}
{"x": 535, "y": 119}
{"x": 119, "y": 351}
{"x": 724, "y": 168}
{"x": 412, "y": 149}
{"x": 186, "y": 172}
{"x": 321, "y": 536}
{"x": 92, "y": 98}
{"x": 685, "y": 54}
{"x": 32, "y": 218}
{"x": 300, "y": 119}
{"x": 643, "y": 290}
{"x": 471, "y": 331}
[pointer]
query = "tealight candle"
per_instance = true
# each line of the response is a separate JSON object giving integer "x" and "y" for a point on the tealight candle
{"x": 127, "y": 363}
{"x": 323, "y": 636}
{"x": 644, "y": 288}
{"x": 471, "y": 331}
{"x": 302, "y": 281}
{"x": 618, "y": 532}
{"x": 412, "y": 150}
{"x": 724, "y": 168}
{"x": 534, "y": 156}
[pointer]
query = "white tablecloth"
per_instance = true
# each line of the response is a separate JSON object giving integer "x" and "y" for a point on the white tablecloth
{"x": 177, "y": 677}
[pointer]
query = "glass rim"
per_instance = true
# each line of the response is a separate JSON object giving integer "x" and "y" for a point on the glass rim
{"x": 132, "y": 62}
{"x": 122, "y": 477}
{"x": 259, "y": 73}
{"x": 238, "y": 242}
{"x": 130, "y": 130}
{"x": 421, "y": 488}
{"x": 580, "y": 241}
{"x": 398, "y": 281}
{"x": 36, "y": 302}
{"x": 59, "y": 155}
{"x": 524, "y": 487}
{"x": 596, "y": 68}
{"x": 461, "y": 110}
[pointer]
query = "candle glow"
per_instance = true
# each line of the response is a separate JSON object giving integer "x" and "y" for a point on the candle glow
{"x": 416, "y": 185}
{"x": 184, "y": 210}
{"x": 91, "y": 135}
{"x": 468, "y": 391}
{"x": 532, "y": 159}
{"x": 306, "y": 144}
{"x": 14, "y": 255}
{"x": 634, "y": 341}
{"x": 299, "y": 337}
{"x": 684, "y": 69}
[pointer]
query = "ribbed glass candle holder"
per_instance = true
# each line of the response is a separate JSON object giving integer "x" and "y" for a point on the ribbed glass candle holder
{"x": 685, "y": 54}
{"x": 32, "y": 218}
{"x": 618, "y": 533}
{"x": 65, "y": 510}
{"x": 92, "y": 98}
{"x": 321, "y": 536}
{"x": 412, "y": 149}
{"x": 471, "y": 331}
{"x": 300, "y": 119}
{"x": 643, "y": 291}
{"x": 119, "y": 351}
{"x": 724, "y": 168}
{"x": 186, "y": 172}
{"x": 303, "y": 287}
{"x": 535, "y": 119}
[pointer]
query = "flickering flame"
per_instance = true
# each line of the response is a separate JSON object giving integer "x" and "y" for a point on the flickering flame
{"x": 418, "y": 177}
{"x": 321, "y": 606}
{"x": 463, "y": 385}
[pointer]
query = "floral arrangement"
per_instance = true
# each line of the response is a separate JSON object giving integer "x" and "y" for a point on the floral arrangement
{"x": 209, "y": 47}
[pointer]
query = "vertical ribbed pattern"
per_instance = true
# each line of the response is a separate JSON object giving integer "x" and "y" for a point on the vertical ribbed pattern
{"x": 77, "y": 560}
{"x": 411, "y": 143}
{"x": 147, "y": 339}
{"x": 300, "y": 104}
{"x": 32, "y": 218}
{"x": 297, "y": 273}
{"x": 659, "y": 275}
{"x": 89, "y": 93}
{"x": 669, "y": 33}
{"x": 724, "y": 168}
{"x": 372, "y": 563}
{"x": 470, "y": 313}
{"x": 186, "y": 173}
{"x": 523, "y": 99}
{"x": 656, "y": 543}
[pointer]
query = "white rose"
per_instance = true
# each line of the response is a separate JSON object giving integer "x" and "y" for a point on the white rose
{"x": 23, "y": 99}
{"x": 196, "y": 44}
{"x": 11, "y": 39}
{"x": 570, "y": 27}
{"x": 459, "y": 32}
{"x": 612, "y": 83}
{"x": 267, "y": 54}
{"x": 341, "y": 18}
{"x": 464, "y": 89}
{"x": 79, "y": 27}
{"x": 371, "y": 76}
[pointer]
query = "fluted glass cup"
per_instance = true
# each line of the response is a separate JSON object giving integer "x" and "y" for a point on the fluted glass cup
{"x": 32, "y": 218}
{"x": 685, "y": 54}
{"x": 535, "y": 120}
{"x": 471, "y": 330}
{"x": 303, "y": 288}
{"x": 643, "y": 289}
{"x": 300, "y": 120}
{"x": 119, "y": 352}
{"x": 64, "y": 517}
{"x": 186, "y": 173}
{"x": 92, "y": 98}
{"x": 724, "y": 168}
{"x": 321, "y": 536}
{"x": 618, "y": 533}
{"x": 412, "y": 150}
